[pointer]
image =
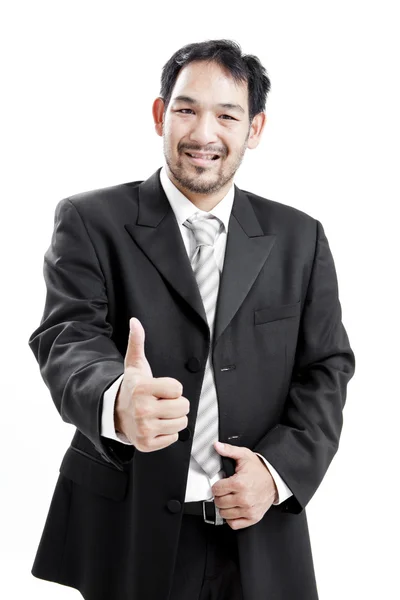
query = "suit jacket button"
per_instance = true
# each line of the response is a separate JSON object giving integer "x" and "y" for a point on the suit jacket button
{"x": 193, "y": 364}
{"x": 184, "y": 435}
{"x": 174, "y": 506}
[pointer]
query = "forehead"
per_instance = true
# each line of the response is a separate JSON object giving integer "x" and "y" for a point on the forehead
{"x": 208, "y": 82}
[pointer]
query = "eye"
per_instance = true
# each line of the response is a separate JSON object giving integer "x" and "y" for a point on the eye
{"x": 181, "y": 110}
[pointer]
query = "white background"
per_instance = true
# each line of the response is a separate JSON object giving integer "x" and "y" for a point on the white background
{"x": 78, "y": 81}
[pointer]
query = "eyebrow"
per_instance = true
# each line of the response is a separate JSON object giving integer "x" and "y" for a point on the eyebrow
{"x": 227, "y": 105}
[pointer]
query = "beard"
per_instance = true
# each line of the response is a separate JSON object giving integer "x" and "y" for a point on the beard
{"x": 191, "y": 177}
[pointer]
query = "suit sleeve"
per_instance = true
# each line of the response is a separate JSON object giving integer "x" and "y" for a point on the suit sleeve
{"x": 77, "y": 358}
{"x": 302, "y": 445}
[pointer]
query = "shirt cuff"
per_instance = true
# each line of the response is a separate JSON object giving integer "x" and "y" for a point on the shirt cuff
{"x": 283, "y": 491}
{"x": 107, "y": 415}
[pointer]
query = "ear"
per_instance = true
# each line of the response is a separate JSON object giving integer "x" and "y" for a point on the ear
{"x": 256, "y": 129}
{"x": 158, "y": 115}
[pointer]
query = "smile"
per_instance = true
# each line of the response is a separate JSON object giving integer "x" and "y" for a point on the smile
{"x": 205, "y": 160}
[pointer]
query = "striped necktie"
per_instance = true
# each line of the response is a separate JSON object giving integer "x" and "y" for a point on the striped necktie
{"x": 205, "y": 229}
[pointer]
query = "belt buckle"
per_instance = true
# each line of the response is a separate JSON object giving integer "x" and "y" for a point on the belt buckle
{"x": 218, "y": 519}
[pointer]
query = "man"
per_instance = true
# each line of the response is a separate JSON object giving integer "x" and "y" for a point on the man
{"x": 180, "y": 311}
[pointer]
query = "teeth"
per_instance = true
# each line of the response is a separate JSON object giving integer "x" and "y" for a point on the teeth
{"x": 207, "y": 156}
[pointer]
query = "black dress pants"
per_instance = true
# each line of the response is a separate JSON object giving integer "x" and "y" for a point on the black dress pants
{"x": 207, "y": 565}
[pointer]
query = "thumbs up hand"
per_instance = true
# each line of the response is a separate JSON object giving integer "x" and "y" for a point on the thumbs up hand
{"x": 149, "y": 410}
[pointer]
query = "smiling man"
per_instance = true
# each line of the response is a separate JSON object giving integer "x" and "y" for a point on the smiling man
{"x": 182, "y": 311}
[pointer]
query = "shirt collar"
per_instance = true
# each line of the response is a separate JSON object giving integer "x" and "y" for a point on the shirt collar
{"x": 184, "y": 208}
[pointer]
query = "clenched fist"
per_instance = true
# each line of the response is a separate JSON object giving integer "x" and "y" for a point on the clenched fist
{"x": 149, "y": 410}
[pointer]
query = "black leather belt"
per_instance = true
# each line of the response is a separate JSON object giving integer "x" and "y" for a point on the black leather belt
{"x": 205, "y": 509}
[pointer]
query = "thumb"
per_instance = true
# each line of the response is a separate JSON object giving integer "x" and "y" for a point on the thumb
{"x": 236, "y": 452}
{"x": 135, "y": 350}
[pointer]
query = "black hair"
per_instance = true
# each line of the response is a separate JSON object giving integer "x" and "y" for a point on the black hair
{"x": 228, "y": 54}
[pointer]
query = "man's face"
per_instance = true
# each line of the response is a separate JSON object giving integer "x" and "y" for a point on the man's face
{"x": 197, "y": 122}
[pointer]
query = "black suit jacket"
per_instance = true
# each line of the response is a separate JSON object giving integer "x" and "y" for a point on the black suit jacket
{"x": 113, "y": 525}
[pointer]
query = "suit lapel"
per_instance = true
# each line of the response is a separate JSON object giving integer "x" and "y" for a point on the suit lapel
{"x": 247, "y": 249}
{"x": 157, "y": 233}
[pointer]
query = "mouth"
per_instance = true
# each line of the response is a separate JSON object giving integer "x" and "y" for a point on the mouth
{"x": 205, "y": 160}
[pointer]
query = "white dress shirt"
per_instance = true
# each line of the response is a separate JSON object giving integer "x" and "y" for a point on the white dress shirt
{"x": 198, "y": 483}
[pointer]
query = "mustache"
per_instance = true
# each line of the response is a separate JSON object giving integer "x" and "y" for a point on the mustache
{"x": 219, "y": 151}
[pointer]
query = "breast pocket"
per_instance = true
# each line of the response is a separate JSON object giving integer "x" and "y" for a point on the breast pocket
{"x": 276, "y": 313}
{"x": 89, "y": 472}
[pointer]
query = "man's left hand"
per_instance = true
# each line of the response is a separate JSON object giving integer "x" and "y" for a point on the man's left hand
{"x": 244, "y": 498}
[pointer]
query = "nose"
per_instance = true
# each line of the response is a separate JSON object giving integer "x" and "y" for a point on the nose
{"x": 203, "y": 131}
